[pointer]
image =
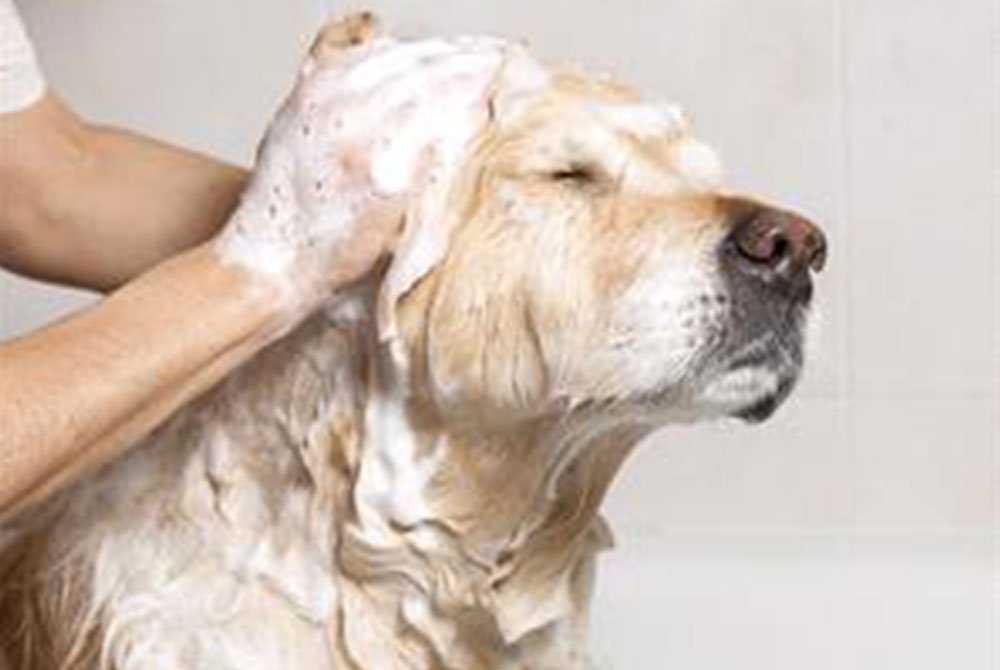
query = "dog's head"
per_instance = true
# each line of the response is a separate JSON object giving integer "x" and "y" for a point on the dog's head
{"x": 586, "y": 255}
{"x": 578, "y": 259}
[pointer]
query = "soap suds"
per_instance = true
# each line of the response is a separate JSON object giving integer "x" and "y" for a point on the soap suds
{"x": 358, "y": 130}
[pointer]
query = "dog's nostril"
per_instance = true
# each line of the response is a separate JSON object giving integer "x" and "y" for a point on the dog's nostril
{"x": 760, "y": 245}
{"x": 781, "y": 248}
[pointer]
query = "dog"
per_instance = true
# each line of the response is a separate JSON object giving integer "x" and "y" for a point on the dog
{"x": 412, "y": 479}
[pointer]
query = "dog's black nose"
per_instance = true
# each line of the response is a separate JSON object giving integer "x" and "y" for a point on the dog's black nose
{"x": 779, "y": 248}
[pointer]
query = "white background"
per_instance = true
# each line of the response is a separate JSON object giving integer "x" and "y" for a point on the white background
{"x": 859, "y": 528}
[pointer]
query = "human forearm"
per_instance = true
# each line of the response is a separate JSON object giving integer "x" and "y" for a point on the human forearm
{"x": 94, "y": 206}
{"x": 326, "y": 202}
{"x": 78, "y": 393}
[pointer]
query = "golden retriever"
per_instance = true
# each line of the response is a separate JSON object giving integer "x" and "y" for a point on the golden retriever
{"x": 412, "y": 479}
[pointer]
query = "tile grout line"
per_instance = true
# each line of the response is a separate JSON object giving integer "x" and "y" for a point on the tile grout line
{"x": 994, "y": 130}
{"x": 841, "y": 120}
{"x": 942, "y": 531}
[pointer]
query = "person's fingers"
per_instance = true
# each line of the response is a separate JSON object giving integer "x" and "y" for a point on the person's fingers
{"x": 385, "y": 64}
{"x": 450, "y": 110}
{"x": 397, "y": 120}
{"x": 385, "y": 74}
{"x": 459, "y": 83}
{"x": 368, "y": 66}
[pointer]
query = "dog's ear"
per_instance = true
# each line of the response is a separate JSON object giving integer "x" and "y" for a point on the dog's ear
{"x": 434, "y": 214}
{"x": 422, "y": 246}
{"x": 450, "y": 190}
{"x": 429, "y": 222}
{"x": 339, "y": 34}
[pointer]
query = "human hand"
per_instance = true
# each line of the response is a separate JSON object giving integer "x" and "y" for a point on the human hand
{"x": 362, "y": 132}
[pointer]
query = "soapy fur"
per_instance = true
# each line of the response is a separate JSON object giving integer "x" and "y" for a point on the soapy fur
{"x": 412, "y": 480}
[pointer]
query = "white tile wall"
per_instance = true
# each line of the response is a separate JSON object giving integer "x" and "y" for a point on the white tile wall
{"x": 852, "y": 531}
{"x": 799, "y": 602}
{"x": 919, "y": 116}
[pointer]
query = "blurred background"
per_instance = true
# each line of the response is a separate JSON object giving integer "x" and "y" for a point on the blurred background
{"x": 859, "y": 528}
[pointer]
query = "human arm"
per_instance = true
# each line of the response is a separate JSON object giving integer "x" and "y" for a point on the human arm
{"x": 89, "y": 205}
{"x": 78, "y": 393}
{"x": 75, "y": 394}
{"x": 94, "y": 206}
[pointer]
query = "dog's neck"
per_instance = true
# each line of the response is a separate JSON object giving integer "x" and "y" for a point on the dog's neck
{"x": 481, "y": 540}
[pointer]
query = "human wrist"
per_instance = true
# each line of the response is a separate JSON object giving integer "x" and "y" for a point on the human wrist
{"x": 273, "y": 272}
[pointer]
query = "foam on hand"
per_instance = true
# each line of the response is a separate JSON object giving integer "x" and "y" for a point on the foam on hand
{"x": 359, "y": 130}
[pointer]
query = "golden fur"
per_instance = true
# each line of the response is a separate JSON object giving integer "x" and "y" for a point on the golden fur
{"x": 412, "y": 480}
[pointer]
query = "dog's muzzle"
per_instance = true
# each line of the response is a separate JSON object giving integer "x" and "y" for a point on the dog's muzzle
{"x": 768, "y": 260}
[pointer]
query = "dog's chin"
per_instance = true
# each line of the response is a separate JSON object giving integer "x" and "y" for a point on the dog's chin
{"x": 764, "y": 407}
{"x": 751, "y": 381}
{"x": 751, "y": 393}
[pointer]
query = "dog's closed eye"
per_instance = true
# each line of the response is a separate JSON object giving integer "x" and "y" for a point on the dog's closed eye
{"x": 578, "y": 174}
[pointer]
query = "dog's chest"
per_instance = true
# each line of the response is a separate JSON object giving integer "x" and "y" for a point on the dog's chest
{"x": 212, "y": 621}
{"x": 206, "y": 568}
{"x": 223, "y": 542}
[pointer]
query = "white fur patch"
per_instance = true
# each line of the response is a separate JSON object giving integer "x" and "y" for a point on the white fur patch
{"x": 699, "y": 164}
{"x": 732, "y": 391}
{"x": 644, "y": 120}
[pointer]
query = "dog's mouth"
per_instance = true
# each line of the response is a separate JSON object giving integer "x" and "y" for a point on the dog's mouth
{"x": 750, "y": 358}
{"x": 767, "y": 265}
{"x": 753, "y": 370}
{"x": 763, "y": 408}
{"x": 762, "y": 369}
